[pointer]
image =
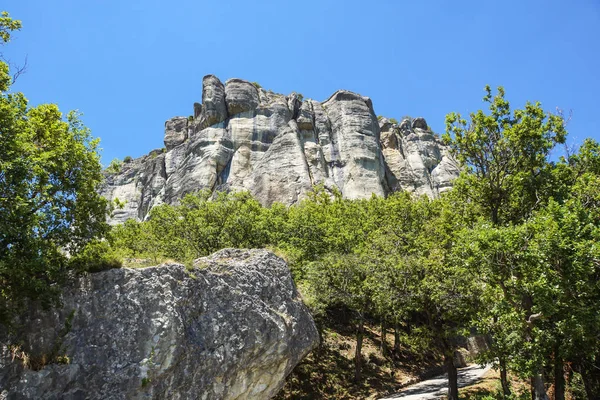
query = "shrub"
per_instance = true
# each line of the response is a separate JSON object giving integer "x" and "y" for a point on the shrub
{"x": 127, "y": 159}
{"x": 96, "y": 256}
{"x": 256, "y": 85}
{"x": 115, "y": 166}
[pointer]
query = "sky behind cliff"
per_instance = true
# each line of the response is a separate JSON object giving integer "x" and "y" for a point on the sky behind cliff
{"x": 131, "y": 65}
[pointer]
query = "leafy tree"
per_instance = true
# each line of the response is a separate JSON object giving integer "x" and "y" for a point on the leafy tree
{"x": 507, "y": 177}
{"x": 49, "y": 204}
{"x": 200, "y": 225}
{"x": 505, "y": 155}
{"x": 346, "y": 280}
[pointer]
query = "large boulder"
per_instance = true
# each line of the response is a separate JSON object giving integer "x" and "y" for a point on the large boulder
{"x": 232, "y": 327}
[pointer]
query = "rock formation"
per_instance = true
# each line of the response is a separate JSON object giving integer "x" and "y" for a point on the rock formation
{"x": 231, "y": 328}
{"x": 278, "y": 147}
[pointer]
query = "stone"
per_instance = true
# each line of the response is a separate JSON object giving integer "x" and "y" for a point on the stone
{"x": 358, "y": 170}
{"x": 175, "y": 132}
{"x": 419, "y": 123}
{"x": 240, "y": 96}
{"x": 461, "y": 357}
{"x": 306, "y": 117}
{"x": 405, "y": 125}
{"x": 214, "y": 109}
{"x": 278, "y": 147}
{"x": 477, "y": 344}
{"x": 233, "y": 327}
{"x": 197, "y": 110}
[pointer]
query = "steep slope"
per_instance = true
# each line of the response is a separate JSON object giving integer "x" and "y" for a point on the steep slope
{"x": 278, "y": 147}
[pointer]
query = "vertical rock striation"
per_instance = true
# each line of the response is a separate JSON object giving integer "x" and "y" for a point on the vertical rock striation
{"x": 278, "y": 147}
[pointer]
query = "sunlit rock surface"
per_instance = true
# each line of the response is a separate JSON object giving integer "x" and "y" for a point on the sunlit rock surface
{"x": 231, "y": 328}
{"x": 278, "y": 147}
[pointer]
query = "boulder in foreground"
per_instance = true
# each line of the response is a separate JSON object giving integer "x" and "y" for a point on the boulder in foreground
{"x": 231, "y": 328}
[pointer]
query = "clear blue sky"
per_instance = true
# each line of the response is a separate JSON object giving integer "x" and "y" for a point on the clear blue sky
{"x": 129, "y": 65}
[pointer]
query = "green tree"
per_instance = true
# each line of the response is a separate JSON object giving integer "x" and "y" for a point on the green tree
{"x": 346, "y": 280}
{"x": 507, "y": 177}
{"x": 505, "y": 156}
{"x": 49, "y": 205}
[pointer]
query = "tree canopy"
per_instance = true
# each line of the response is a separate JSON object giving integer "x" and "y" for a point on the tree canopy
{"x": 49, "y": 203}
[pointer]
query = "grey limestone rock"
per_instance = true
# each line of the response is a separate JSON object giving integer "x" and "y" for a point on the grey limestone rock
{"x": 231, "y": 328}
{"x": 419, "y": 123}
{"x": 416, "y": 160}
{"x": 278, "y": 147}
{"x": 214, "y": 109}
{"x": 175, "y": 132}
{"x": 240, "y": 96}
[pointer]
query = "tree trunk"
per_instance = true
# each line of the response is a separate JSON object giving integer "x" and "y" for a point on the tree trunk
{"x": 590, "y": 374}
{"x": 539, "y": 388}
{"x": 357, "y": 354}
{"x": 559, "y": 375}
{"x": 452, "y": 376}
{"x": 384, "y": 346}
{"x": 504, "y": 378}
{"x": 396, "y": 339}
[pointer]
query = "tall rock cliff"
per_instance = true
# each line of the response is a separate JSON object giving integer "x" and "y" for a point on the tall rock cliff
{"x": 278, "y": 147}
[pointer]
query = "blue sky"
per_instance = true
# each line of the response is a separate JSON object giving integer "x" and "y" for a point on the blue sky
{"x": 129, "y": 65}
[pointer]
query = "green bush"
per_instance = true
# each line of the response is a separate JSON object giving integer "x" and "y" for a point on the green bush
{"x": 256, "y": 85}
{"x": 127, "y": 159}
{"x": 115, "y": 166}
{"x": 96, "y": 256}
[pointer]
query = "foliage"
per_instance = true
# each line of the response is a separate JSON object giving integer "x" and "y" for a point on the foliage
{"x": 127, "y": 159}
{"x": 49, "y": 203}
{"x": 96, "y": 256}
{"x": 7, "y": 25}
{"x": 505, "y": 155}
{"x": 256, "y": 85}
{"x": 394, "y": 121}
{"x": 199, "y": 226}
{"x": 115, "y": 166}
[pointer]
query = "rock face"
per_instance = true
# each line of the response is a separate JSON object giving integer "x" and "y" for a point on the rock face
{"x": 416, "y": 159}
{"x": 231, "y": 328}
{"x": 278, "y": 147}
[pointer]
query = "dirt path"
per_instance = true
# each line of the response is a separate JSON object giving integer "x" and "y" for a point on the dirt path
{"x": 438, "y": 386}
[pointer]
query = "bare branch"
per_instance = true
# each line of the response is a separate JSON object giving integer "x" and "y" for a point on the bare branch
{"x": 19, "y": 70}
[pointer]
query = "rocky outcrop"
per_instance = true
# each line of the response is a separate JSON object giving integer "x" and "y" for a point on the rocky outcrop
{"x": 416, "y": 159}
{"x": 213, "y": 108}
{"x": 232, "y": 327}
{"x": 175, "y": 132}
{"x": 278, "y": 147}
